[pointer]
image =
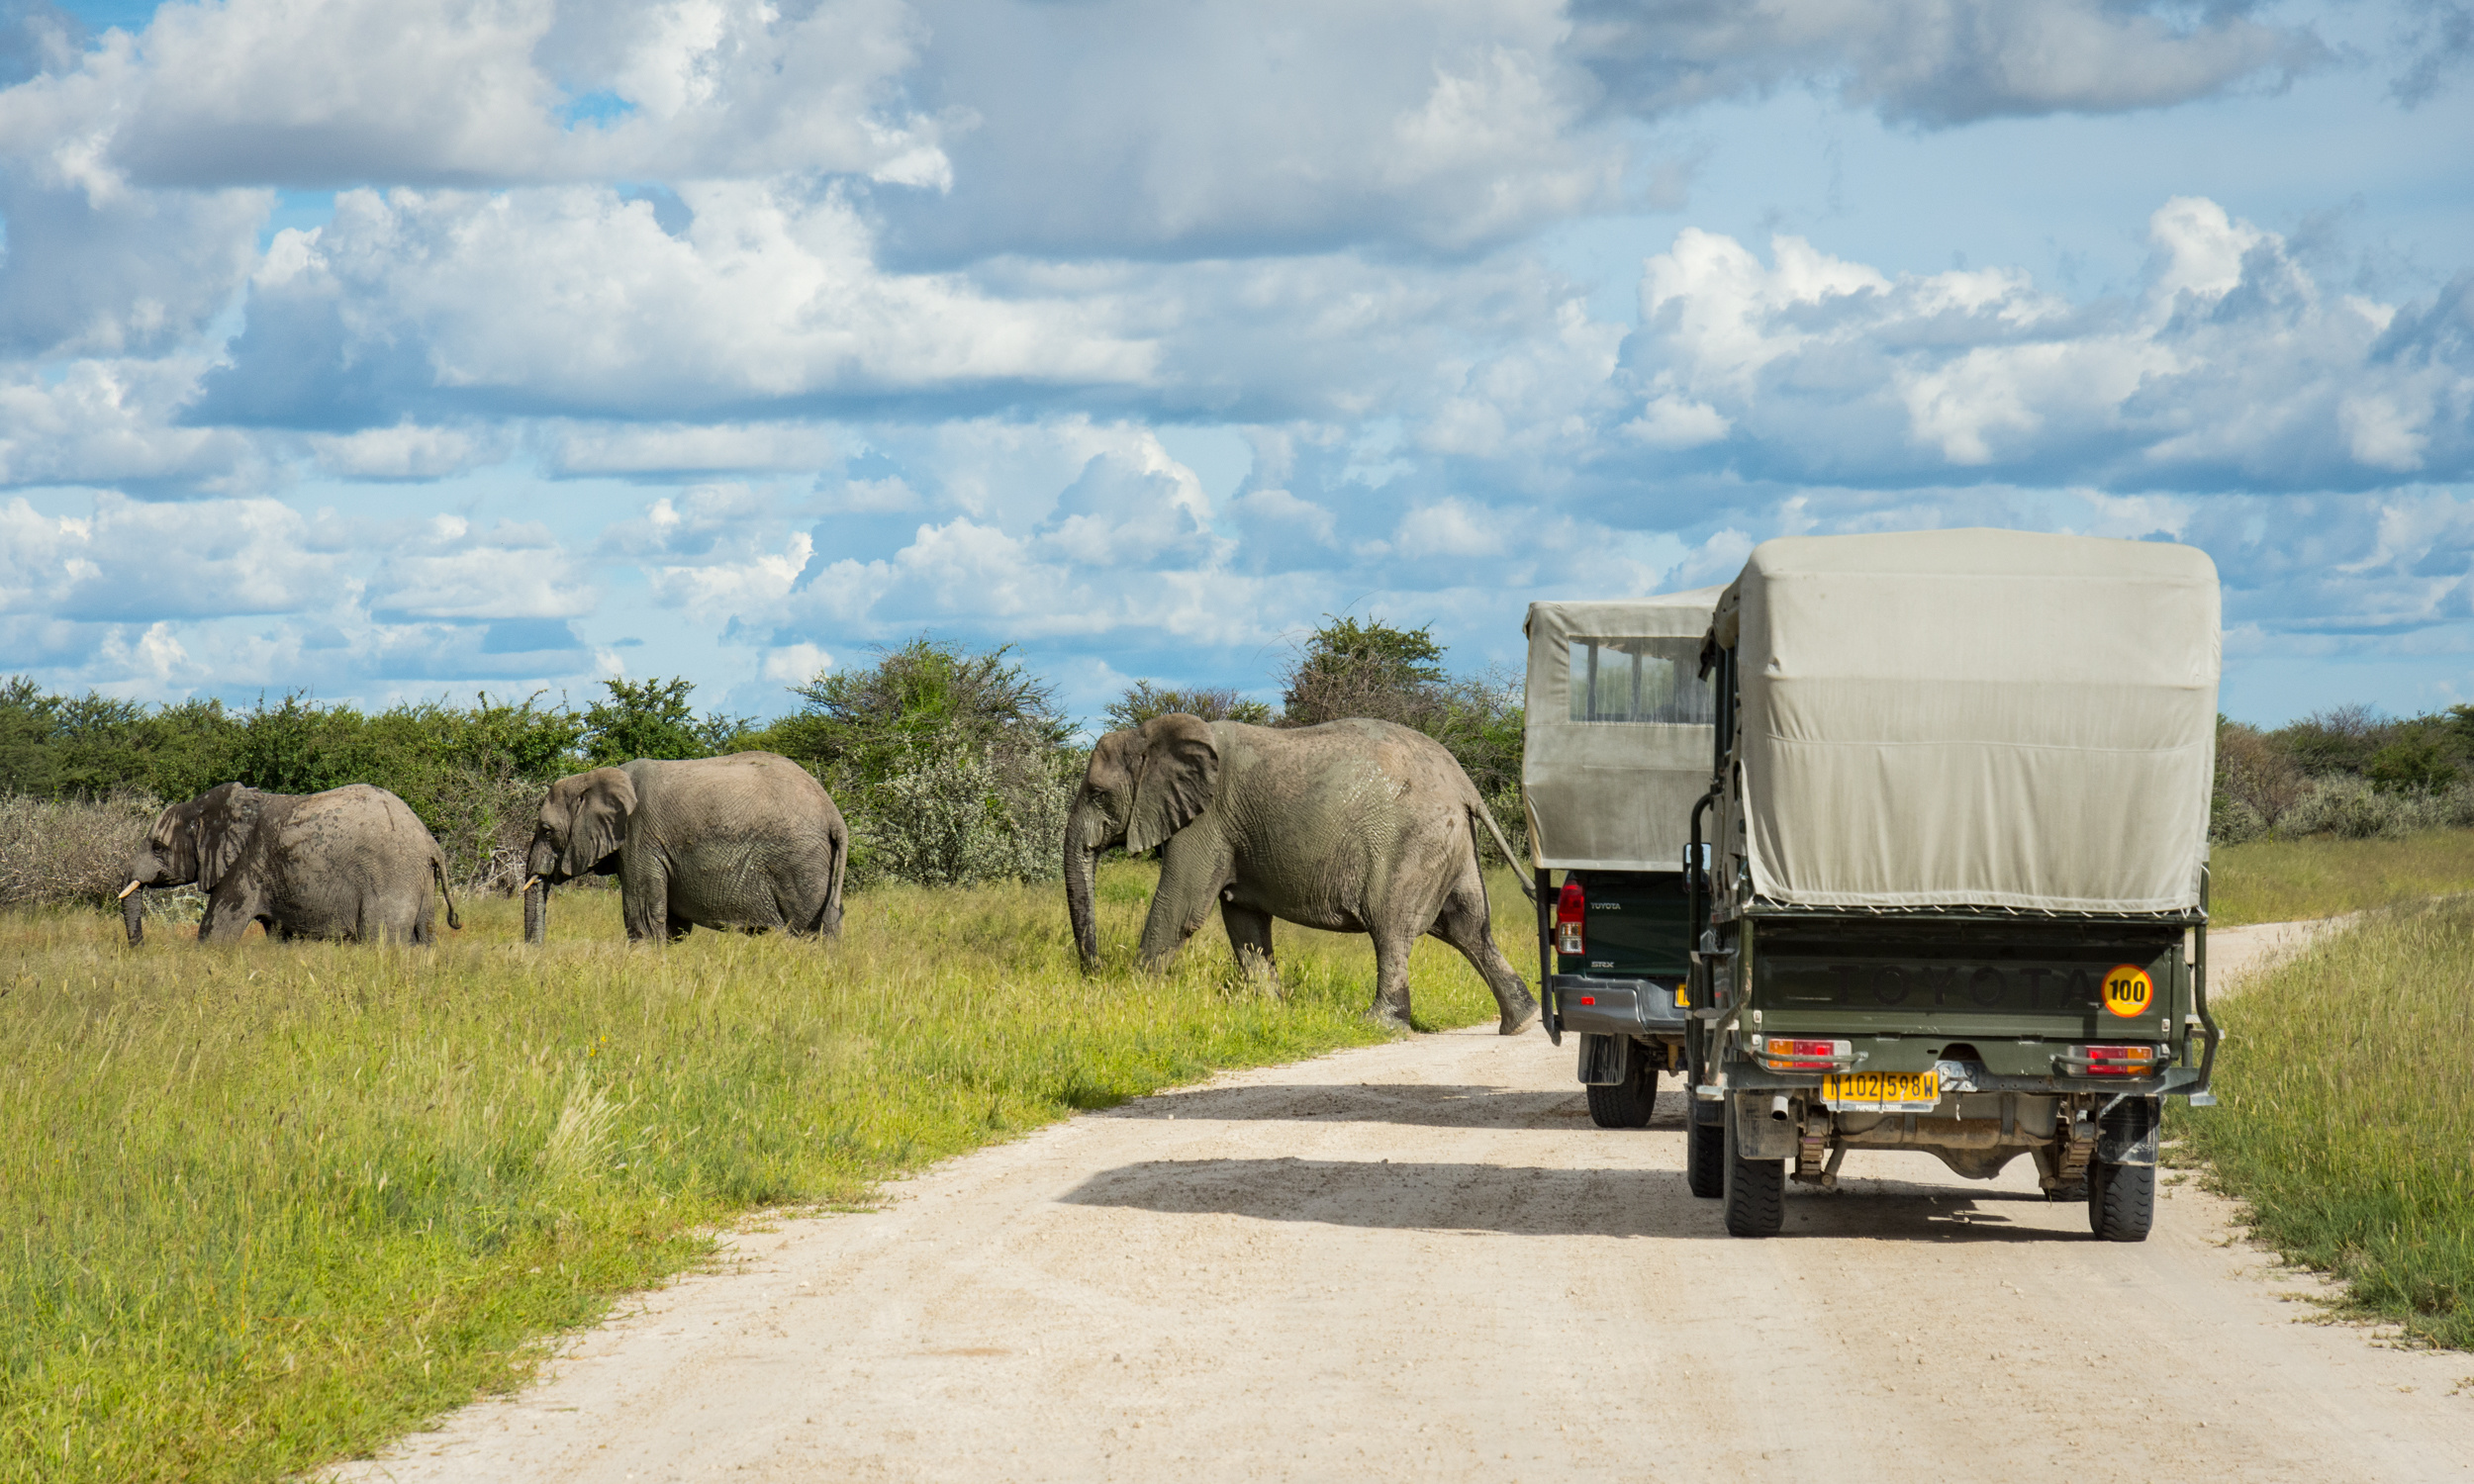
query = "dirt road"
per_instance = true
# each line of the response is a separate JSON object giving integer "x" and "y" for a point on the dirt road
{"x": 1421, "y": 1262}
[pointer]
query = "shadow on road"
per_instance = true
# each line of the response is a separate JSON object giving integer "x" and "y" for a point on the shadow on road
{"x": 1431, "y": 1105}
{"x": 1529, "y": 1201}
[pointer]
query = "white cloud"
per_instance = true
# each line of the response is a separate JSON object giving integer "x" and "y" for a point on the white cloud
{"x": 511, "y": 571}
{"x": 675, "y": 447}
{"x": 573, "y": 296}
{"x": 2233, "y": 366}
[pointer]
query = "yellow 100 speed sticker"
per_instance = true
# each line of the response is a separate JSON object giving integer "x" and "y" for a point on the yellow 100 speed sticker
{"x": 2128, "y": 991}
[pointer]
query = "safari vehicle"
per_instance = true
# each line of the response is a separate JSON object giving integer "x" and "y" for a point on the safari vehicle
{"x": 1957, "y": 837}
{"x": 1615, "y": 751}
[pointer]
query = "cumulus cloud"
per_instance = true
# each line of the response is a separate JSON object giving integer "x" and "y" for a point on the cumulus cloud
{"x": 133, "y": 561}
{"x": 575, "y": 299}
{"x": 444, "y": 569}
{"x": 323, "y": 93}
{"x": 2234, "y": 367}
{"x": 1938, "y": 62}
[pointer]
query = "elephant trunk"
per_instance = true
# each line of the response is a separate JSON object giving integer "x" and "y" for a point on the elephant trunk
{"x": 536, "y": 910}
{"x": 1082, "y": 863}
{"x": 134, "y": 914}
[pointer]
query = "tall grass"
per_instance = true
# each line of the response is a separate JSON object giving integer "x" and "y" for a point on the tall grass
{"x": 2280, "y": 881}
{"x": 2347, "y": 1115}
{"x": 275, "y": 1203}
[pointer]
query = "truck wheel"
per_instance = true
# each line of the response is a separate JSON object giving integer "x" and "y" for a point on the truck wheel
{"x": 1755, "y": 1189}
{"x": 1704, "y": 1146}
{"x": 1626, "y": 1104}
{"x": 2121, "y": 1201}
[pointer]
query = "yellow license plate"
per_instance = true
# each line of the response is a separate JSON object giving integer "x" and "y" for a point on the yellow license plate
{"x": 1882, "y": 1091}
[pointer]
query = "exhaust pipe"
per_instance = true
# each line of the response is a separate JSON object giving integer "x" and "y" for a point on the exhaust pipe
{"x": 1779, "y": 1107}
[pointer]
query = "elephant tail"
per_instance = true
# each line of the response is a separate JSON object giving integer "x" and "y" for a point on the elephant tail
{"x": 1480, "y": 811}
{"x": 437, "y": 873}
{"x": 829, "y": 918}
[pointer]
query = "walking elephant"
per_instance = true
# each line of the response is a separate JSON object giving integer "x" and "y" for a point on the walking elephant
{"x": 745, "y": 841}
{"x": 1351, "y": 827}
{"x": 350, "y": 863}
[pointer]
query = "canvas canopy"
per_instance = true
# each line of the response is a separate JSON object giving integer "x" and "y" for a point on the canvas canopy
{"x": 1618, "y": 738}
{"x": 1973, "y": 718}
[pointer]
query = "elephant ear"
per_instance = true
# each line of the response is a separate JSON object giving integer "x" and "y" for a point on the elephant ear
{"x": 226, "y": 817}
{"x": 1181, "y": 773}
{"x": 598, "y": 825}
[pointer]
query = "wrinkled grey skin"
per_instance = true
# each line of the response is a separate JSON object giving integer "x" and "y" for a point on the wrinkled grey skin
{"x": 747, "y": 841}
{"x": 350, "y": 863}
{"x": 1351, "y": 827}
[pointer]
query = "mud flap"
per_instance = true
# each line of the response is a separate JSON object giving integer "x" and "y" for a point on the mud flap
{"x": 2127, "y": 1132}
{"x": 1605, "y": 1061}
{"x": 1758, "y": 1136}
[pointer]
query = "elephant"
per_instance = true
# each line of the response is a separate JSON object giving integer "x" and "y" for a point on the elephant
{"x": 350, "y": 863}
{"x": 1353, "y": 826}
{"x": 747, "y": 841}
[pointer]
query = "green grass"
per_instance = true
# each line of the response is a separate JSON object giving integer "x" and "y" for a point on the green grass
{"x": 277, "y": 1203}
{"x": 2347, "y": 1114}
{"x": 2281, "y": 880}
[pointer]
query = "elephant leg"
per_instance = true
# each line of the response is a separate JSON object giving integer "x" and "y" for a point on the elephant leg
{"x": 1464, "y": 924}
{"x": 1250, "y": 936}
{"x": 1391, "y": 1009}
{"x": 1192, "y": 872}
{"x": 644, "y": 901}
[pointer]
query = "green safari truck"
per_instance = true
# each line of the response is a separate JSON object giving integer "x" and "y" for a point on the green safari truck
{"x": 1615, "y": 749}
{"x": 1956, "y": 886}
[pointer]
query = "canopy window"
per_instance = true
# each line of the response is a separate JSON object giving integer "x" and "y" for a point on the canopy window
{"x": 1639, "y": 679}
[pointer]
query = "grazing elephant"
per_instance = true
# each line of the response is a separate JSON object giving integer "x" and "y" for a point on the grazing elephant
{"x": 349, "y": 863}
{"x": 1351, "y": 827}
{"x": 747, "y": 841}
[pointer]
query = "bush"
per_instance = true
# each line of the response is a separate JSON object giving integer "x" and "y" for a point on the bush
{"x": 65, "y": 852}
{"x": 954, "y": 819}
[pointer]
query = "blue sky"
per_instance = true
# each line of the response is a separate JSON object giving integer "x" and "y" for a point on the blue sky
{"x": 393, "y": 350}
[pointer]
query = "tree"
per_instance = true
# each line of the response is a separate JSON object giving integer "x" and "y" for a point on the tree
{"x": 930, "y": 695}
{"x": 651, "y": 719}
{"x": 1143, "y": 700}
{"x": 1371, "y": 669}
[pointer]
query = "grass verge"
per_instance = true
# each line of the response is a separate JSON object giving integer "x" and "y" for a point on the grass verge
{"x": 277, "y": 1203}
{"x": 2281, "y": 880}
{"x": 2346, "y": 1116}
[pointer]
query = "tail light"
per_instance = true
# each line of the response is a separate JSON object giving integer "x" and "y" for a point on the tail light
{"x": 1789, "y": 1053}
{"x": 1570, "y": 907}
{"x": 2120, "y": 1061}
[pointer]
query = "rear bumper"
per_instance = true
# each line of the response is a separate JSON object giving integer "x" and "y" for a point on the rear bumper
{"x": 1617, "y": 1008}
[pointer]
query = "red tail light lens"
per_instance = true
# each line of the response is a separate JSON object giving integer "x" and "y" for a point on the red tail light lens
{"x": 1787, "y": 1053}
{"x": 1570, "y": 906}
{"x": 2120, "y": 1061}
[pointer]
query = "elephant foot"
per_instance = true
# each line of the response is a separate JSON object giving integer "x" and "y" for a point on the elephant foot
{"x": 1395, "y": 1021}
{"x": 1516, "y": 1021}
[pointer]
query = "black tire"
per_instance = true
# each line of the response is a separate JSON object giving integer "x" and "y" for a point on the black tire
{"x": 1627, "y": 1104}
{"x": 1704, "y": 1146}
{"x": 2076, "y": 1190}
{"x": 1756, "y": 1190}
{"x": 2121, "y": 1201}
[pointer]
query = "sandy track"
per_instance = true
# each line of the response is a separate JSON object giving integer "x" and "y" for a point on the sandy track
{"x": 1421, "y": 1262}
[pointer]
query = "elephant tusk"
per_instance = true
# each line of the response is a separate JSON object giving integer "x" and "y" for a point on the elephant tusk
{"x": 125, "y": 890}
{"x": 530, "y": 881}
